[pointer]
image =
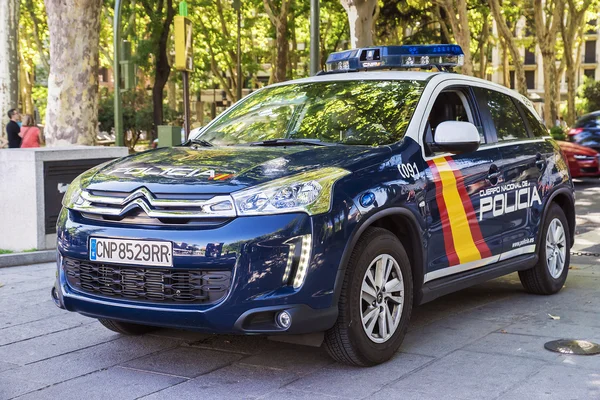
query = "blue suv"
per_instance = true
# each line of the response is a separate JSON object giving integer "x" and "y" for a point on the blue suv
{"x": 330, "y": 205}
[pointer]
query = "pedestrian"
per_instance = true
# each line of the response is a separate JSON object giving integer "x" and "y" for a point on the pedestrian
{"x": 13, "y": 129}
{"x": 30, "y": 133}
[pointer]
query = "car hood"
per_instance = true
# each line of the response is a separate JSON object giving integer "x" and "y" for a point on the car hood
{"x": 572, "y": 148}
{"x": 220, "y": 170}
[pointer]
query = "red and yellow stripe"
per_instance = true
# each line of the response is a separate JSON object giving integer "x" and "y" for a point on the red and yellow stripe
{"x": 462, "y": 236}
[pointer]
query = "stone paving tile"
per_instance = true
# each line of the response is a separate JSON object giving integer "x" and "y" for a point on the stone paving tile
{"x": 12, "y": 289}
{"x": 114, "y": 383}
{"x": 514, "y": 345}
{"x": 547, "y": 327}
{"x": 29, "y": 313}
{"x": 391, "y": 393}
{"x": 4, "y": 366}
{"x": 289, "y": 394}
{"x": 469, "y": 375}
{"x": 13, "y": 387}
{"x": 587, "y": 362}
{"x": 90, "y": 359}
{"x": 291, "y": 358}
{"x": 30, "y": 298}
{"x": 57, "y": 343}
{"x": 353, "y": 382}
{"x": 447, "y": 335}
{"x": 235, "y": 343}
{"x": 233, "y": 382}
{"x": 557, "y": 382}
{"x": 42, "y": 327}
{"x": 184, "y": 361}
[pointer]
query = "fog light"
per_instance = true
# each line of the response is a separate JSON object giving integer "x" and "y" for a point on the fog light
{"x": 284, "y": 319}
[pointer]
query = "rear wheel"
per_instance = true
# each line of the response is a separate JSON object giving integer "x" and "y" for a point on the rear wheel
{"x": 126, "y": 328}
{"x": 375, "y": 304}
{"x": 550, "y": 273}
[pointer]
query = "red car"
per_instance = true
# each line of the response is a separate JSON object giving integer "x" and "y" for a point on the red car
{"x": 583, "y": 161}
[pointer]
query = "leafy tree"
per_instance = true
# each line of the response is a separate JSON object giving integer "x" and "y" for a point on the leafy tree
{"x": 278, "y": 14}
{"x": 590, "y": 93}
{"x": 544, "y": 17}
{"x": 160, "y": 15}
{"x": 571, "y": 24}
{"x": 501, "y": 12}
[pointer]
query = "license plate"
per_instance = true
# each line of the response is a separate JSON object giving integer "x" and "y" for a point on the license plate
{"x": 138, "y": 252}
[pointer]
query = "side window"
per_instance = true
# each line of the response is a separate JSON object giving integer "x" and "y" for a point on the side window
{"x": 448, "y": 106}
{"x": 506, "y": 117}
{"x": 537, "y": 128}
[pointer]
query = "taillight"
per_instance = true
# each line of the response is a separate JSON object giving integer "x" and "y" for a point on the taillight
{"x": 575, "y": 131}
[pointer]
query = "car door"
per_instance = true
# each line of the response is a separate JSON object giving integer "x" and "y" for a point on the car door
{"x": 518, "y": 199}
{"x": 459, "y": 240}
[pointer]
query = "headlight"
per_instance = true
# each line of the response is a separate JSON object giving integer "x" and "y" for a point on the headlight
{"x": 72, "y": 196}
{"x": 308, "y": 192}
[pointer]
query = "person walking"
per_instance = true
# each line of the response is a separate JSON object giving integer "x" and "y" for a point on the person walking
{"x": 30, "y": 133}
{"x": 13, "y": 129}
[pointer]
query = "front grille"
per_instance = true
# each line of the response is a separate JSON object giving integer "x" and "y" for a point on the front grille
{"x": 589, "y": 170}
{"x": 143, "y": 206}
{"x": 155, "y": 285}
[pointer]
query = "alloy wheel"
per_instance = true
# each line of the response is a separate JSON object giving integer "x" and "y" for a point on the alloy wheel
{"x": 556, "y": 248}
{"x": 382, "y": 298}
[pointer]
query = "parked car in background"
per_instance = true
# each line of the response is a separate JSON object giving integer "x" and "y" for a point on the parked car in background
{"x": 582, "y": 160}
{"x": 586, "y": 131}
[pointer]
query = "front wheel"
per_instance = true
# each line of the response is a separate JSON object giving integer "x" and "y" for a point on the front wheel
{"x": 375, "y": 304}
{"x": 550, "y": 273}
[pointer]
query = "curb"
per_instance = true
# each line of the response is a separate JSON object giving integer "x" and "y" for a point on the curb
{"x": 34, "y": 257}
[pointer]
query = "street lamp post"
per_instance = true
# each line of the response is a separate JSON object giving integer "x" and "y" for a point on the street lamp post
{"x": 117, "y": 74}
{"x": 314, "y": 37}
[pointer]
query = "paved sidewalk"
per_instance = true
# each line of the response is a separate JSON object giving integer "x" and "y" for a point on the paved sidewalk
{"x": 486, "y": 342}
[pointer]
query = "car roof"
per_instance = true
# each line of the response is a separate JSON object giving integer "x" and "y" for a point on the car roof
{"x": 589, "y": 115}
{"x": 364, "y": 76}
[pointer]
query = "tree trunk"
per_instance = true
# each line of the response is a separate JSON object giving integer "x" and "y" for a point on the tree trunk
{"x": 550, "y": 85}
{"x": 163, "y": 69}
{"x": 72, "y": 111}
{"x": 460, "y": 28}
{"x": 547, "y": 20}
{"x": 360, "y": 17}
{"x": 9, "y": 59}
{"x": 505, "y": 70}
{"x": 282, "y": 48}
{"x": 510, "y": 45}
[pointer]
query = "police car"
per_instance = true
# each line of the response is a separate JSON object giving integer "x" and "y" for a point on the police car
{"x": 330, "y": 206}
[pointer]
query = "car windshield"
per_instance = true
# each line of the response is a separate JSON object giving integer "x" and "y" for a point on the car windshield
{"x": 344, "y": 112}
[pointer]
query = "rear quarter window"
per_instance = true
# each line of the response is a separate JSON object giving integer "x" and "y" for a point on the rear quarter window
{"x": 506, "y": 117}
{"x": 536, "y": 127}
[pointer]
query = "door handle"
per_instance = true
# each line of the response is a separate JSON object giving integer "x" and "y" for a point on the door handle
{"x": 494, "y": 174}
{"x": 540, "y": 161}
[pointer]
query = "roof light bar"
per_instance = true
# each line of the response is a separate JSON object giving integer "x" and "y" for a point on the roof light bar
{"x": 441, "y": 56}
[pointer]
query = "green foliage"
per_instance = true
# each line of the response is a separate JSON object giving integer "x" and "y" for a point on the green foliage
{"x": 589, "y": 92}
{"x": 137, "y": 113}
{"x": 558, "y": 133}
{"x": 4, "y": 251}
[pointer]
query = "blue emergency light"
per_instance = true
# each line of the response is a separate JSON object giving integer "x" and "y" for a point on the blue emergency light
{"x": 441, "y": 56}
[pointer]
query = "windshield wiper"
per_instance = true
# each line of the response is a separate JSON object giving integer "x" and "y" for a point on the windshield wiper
{"x": 291, "y": 142}
{"x": 199, "y": 142}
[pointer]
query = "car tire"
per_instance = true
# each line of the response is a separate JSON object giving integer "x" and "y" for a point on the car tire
{"x": 348, "y": 341}
{"x": 548, "y": 277}
{"x": 126, "y": 328}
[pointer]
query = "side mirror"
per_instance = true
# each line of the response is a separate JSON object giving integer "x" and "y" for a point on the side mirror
{"x": 456, "y": 137}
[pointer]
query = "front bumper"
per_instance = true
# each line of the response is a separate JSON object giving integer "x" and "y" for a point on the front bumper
{"x": 257, "y": 256}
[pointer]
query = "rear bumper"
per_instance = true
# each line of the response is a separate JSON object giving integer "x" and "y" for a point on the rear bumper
{"x": 257, "y": 256}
